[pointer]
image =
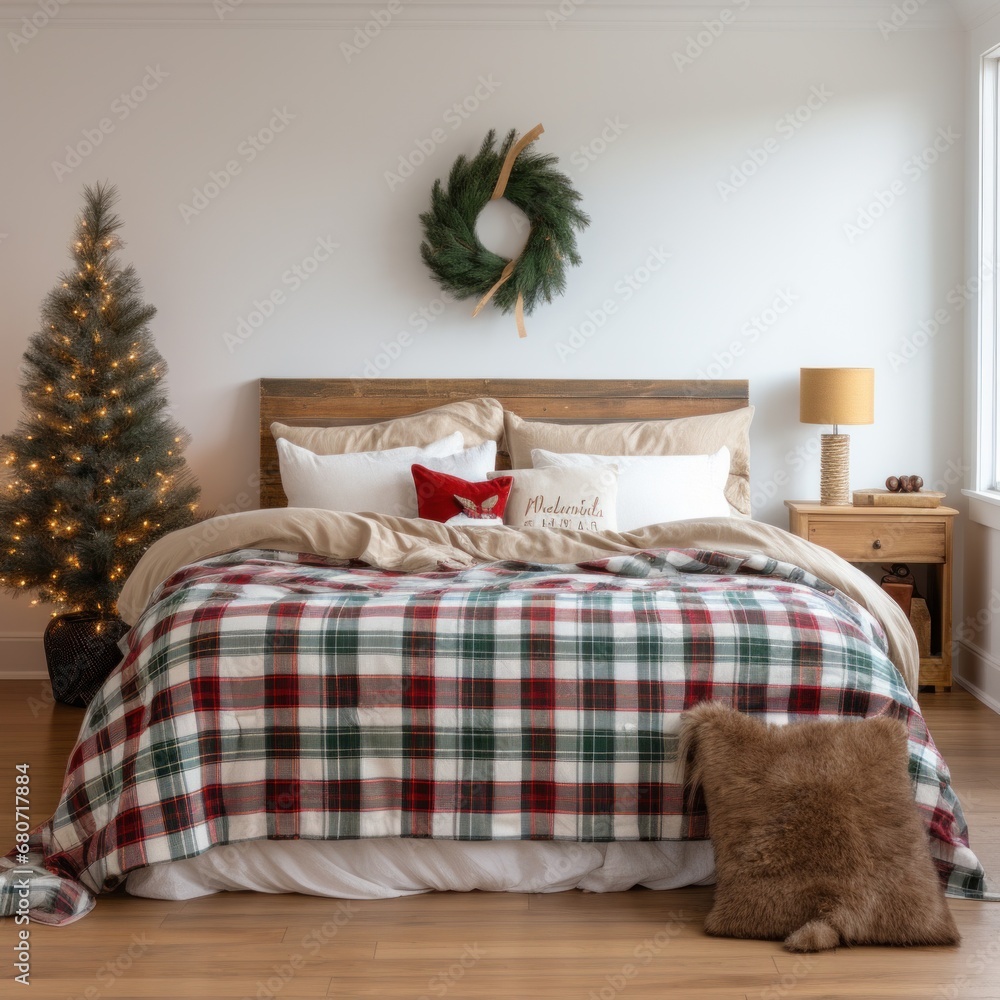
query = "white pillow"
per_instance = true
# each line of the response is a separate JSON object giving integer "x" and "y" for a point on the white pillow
{"x": 574, "y": 499}
{"x": 375, "y": 481}
{"x": 655, "y": 488}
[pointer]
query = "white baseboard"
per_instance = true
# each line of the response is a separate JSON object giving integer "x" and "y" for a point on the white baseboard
{"x": 979, "y": 673}
{"x": 978, "y": 693}
{"x": 22, "y": 657}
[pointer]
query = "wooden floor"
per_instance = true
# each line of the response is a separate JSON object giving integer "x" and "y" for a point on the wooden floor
{"x": 635, "y": 944}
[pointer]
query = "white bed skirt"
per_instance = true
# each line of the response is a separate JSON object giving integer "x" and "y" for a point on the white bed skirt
{"x": 377, "y": 869}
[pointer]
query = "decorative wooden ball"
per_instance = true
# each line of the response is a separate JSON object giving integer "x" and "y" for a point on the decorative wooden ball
{"x": 904, "y": 484}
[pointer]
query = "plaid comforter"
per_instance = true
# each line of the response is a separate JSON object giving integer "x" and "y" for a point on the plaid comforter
{"x": 269, "y": 695}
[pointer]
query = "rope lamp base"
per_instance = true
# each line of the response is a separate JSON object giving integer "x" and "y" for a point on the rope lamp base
{"x": 835, "y": 470}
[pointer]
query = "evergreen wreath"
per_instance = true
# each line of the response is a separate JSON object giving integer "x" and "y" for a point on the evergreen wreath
{"x": 453, "y": 251}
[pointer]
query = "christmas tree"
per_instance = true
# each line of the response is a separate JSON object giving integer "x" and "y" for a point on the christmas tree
{"x": 96, "y": 471}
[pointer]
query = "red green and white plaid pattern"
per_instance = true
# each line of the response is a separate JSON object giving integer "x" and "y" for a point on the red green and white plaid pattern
{"x": 268, "y": 695}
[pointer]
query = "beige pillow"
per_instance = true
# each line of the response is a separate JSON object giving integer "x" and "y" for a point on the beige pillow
{"x": 478, "y": 420}
{"x": 703, "y": 435}
{"x": 576, "y": 499}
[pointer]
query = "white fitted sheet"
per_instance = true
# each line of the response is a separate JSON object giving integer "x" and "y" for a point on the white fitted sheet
{"x": 378, "y": 869}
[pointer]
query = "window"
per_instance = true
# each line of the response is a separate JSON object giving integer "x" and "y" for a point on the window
{"x": 987, "y": 467}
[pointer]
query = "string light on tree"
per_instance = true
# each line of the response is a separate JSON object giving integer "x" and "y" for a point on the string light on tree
{"x": 95, "y": 470}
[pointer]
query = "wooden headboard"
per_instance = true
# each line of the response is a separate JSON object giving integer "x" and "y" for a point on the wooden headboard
{"x": 320, "y": 402}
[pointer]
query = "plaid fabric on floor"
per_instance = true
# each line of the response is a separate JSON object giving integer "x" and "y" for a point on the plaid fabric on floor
{"x": 268, "y": 695}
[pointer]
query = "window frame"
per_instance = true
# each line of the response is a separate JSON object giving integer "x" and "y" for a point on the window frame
{"x": 987, "y": 456}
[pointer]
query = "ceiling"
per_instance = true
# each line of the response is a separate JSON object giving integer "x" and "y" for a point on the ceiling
{"x": 973, "y": 12}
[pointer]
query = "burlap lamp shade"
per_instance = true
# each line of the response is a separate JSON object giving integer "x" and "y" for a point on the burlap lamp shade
{"x": 836, "y": 396}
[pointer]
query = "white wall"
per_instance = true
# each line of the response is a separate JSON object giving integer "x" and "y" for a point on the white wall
{"x": 856, "y": 301}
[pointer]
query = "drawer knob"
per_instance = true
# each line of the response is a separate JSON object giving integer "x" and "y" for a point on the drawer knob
{"x": 877, "y": 544}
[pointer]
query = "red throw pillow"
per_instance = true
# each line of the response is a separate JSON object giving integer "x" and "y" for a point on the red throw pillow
{"x": 444, "y": 498}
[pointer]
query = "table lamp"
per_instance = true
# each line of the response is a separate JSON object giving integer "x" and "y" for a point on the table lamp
{"x": 836, "y": 396}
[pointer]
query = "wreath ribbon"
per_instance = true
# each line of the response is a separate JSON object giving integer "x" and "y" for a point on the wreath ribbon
{"x": 498, "y": 191}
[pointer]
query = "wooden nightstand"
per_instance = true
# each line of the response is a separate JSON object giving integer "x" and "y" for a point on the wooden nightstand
{"x": 887, "y": 535}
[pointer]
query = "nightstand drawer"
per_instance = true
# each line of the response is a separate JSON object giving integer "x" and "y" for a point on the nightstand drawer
{"x": 871, "y": 540}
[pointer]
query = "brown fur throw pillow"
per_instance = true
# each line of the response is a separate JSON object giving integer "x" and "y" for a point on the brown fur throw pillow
{"x": 817, "y": 838}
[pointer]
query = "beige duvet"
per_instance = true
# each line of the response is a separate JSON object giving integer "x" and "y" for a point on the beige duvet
{"x": 413, "y": 546}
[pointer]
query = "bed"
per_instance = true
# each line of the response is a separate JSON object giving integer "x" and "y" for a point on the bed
{"x": 364, "y": 705}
